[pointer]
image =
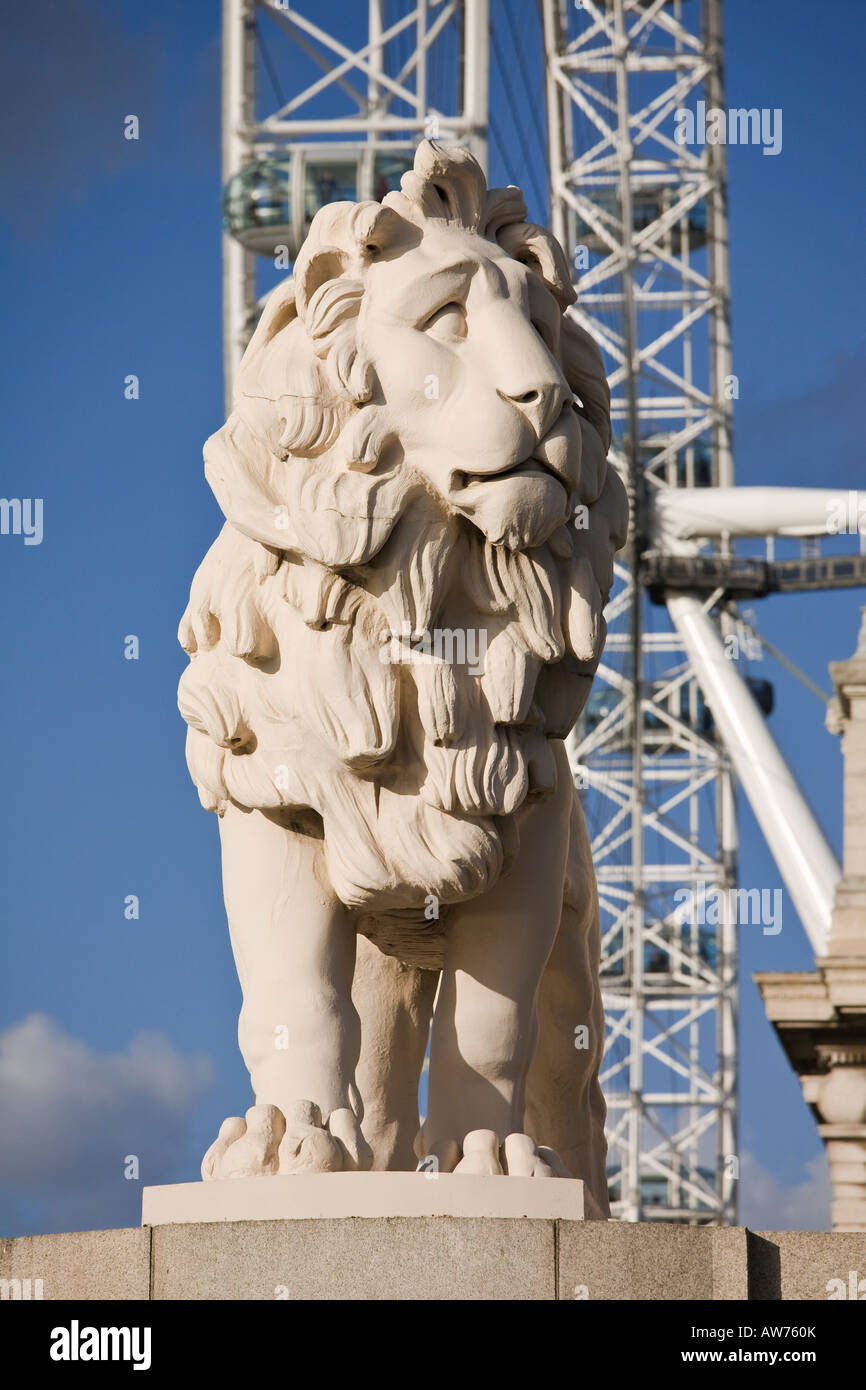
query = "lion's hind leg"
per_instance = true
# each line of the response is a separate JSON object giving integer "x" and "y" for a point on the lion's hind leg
{"x": 394, "y": 1001}
{"x": 564, "y": 1104}
{"x": 485, "y": 1023}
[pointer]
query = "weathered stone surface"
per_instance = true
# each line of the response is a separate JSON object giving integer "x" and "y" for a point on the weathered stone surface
{"x": 612, "y": 1260}
{"x": 358, "y": 1258}
{"x": 437, "y": 1258}
{"x": 80, "y": 1264}
{"x": 730, "y": 1262}
{"x": 801, "y": 1264}
{"x": 311, "y": 1196}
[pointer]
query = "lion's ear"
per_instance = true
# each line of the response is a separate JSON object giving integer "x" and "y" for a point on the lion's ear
{"x": 504, "y": 205}
{"x": 330, "y": 275}
{"x": 542, "y": 253}
{"x": 343, "y": 240}
{"x": 316, "y": 269}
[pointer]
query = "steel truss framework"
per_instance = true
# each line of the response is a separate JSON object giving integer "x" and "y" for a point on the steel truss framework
{"x": 388, "y": 99}
{"x": 646, "y": 219}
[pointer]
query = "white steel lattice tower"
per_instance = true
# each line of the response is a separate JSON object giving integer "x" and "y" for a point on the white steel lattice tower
{"x": 645, "y": 218}
{"x": 419, "y": 67}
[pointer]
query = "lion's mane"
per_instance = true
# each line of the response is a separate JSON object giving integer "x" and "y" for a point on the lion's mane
{"x": 334, "y": 550}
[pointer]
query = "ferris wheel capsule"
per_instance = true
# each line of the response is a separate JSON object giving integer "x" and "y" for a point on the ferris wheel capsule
{"x": 270, "y": 202}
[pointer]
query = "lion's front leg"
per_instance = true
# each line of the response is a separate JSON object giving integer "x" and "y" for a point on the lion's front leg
{"x": 294, "y": 947}
{"x": 485, "y": 1023}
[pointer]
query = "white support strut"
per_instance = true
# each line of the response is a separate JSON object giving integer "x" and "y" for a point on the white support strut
{"x": 689, "y": 515}
{"x": 805, "y": 860}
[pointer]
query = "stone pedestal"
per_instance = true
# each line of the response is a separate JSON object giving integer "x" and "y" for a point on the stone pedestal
{"x": 820, "y": 1017}
{"x": 328, "y": 1196}
{"x": 434, "y": 1258}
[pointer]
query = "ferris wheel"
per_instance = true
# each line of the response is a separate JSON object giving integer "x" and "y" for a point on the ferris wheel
{"x": 586, "y": 106}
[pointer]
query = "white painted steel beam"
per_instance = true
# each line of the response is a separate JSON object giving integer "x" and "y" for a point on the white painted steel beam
{"x": 806, "y": 862}
{"x": 693, "y": 513}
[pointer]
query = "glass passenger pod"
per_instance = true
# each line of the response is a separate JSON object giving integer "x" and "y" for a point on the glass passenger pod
{"x": 271, "y": 202}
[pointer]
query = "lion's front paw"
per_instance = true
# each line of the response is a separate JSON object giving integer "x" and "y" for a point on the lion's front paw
{"x": 308, "y": 1146}
{"x": 312, "y": 1146}
{"x": 480, "y": 1153}
{"x": 518, "y": 1157}
{"x": 523, "y": 1158}
{"x": 293, "y": 1140}
{"x": 246, "y": 1148}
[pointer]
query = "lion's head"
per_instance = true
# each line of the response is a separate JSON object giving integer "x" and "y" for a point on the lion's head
{"x": 417, "y": 446}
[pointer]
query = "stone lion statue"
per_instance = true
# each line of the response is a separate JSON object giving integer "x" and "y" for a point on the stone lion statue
{"x": 389, "y": 640}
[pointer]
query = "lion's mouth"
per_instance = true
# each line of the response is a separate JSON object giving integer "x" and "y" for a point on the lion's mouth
{"x": 529, "y": 468}
{"x": 519, "y": 507}
{"x": 522, "y": 504}
{"x": 556, "y": 455}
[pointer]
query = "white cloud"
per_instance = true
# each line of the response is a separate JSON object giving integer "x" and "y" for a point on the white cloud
{"x": 71, "y": 1116}
{"x": 768, "y": 1204}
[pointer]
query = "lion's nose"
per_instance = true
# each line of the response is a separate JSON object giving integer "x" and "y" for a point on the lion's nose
{"x": 541, "y": 404}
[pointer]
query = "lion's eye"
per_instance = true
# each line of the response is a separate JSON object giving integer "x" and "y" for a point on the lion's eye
{"x": 447, "y": 322}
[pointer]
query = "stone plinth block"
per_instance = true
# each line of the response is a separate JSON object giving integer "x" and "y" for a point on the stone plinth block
{"x": 76, "y": 1265}
{"x": 615, "y": 1260}
{"x": 435, "y": 1258}
{"x": 370, "y": 1259}
{"x": 325, "y": 1196}
{"x": 810, "y": 1265}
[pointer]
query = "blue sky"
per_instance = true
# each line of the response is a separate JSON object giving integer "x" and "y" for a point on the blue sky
{"x": 117, "y": 1036}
